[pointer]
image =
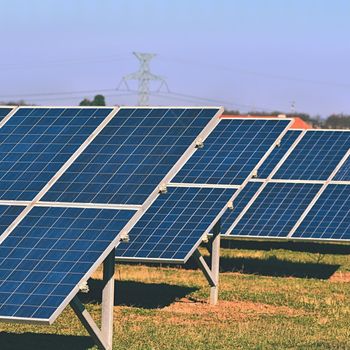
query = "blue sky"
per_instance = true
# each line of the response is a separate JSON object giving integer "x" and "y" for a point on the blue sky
{"x": 245, "y": 55}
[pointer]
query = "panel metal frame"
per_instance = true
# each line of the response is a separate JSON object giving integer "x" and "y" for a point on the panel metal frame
{"x": 9, "y": 115}
{"x": 138, "y": 213}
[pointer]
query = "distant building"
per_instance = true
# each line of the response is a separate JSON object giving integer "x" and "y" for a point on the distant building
{"x": 298, "y": 122}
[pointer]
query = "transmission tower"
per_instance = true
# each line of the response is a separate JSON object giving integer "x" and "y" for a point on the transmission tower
{"x": 144, "y": 77}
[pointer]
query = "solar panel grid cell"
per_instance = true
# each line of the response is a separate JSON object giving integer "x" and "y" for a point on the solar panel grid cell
{"x": 36, "y": 142}
{"x": 47, "y": 255}
{"x": 7, "y": 215}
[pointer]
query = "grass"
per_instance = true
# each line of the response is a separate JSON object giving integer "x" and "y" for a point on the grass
{"x": 270, "y": 298}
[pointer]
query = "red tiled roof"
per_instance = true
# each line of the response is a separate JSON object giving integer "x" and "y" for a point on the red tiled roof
{"x": 298, "y": 122}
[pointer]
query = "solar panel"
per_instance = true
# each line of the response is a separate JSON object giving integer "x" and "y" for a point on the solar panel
{"x": 344, "y": 172}
{"x": 315, "y": 156}
{"x": 7, "y": 215}
{"x": 47, "y": 255}
{"x": 36, "y": 142}
{"x": 329, "y": 218}
{"x": 4, "y": 111}
{"x": 276, "y": 209}
{"x": 131, "y": 156}
{"x": 239, "y": 203}
{"x": 48, "y": 248}
{"x": 277, "y": 154}
{"x": 173, "y": 226}
{"x": 231, "y": 151}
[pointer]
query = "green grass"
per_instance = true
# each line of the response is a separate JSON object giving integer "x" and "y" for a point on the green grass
{"x": 269, "y": 299}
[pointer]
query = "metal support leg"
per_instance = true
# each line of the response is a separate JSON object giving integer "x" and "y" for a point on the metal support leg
{"x": 88, "y": 322}
{"x": 108, "y": 298}
{"x": 205, "y": 268}
{"x": 104, "y": 337}
{"x": 215, "y": 263}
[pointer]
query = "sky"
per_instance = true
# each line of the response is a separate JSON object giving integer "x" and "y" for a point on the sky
{"x": 245, "y": 55}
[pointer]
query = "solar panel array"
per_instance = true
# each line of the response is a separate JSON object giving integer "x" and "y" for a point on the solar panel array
{"x": 72, "y": 180}
{"x": 304, "y": 196}
{"x": 53, "y": 240}
{"x": 199, "y": 193}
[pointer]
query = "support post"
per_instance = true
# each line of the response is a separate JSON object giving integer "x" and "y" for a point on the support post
{"x": 104, "y": 337}
{"x": 108, "y": 298}
{"x": 215, "y": 262}
{"x": 89, "y": 324}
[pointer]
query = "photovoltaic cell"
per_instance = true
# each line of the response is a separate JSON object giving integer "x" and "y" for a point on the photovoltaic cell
{"x": 344, "y": 172}
{"x": 239, "y": 203}
{"x": 278, "y": 153}
{"x": 276, "y": 210}
{"x": 7, "y": 215}
{"x": 231, "y": 151}
{"x": 131, "y": 156}
{"x": 36, "y": 142}
{"x": 48, "y": 254}
{"x": 174, "y": 224}
{"x": 316, "y": 156}
{"x": 4, "y": 112}
{"x": 329, "y": 218}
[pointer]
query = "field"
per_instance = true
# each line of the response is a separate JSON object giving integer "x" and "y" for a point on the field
{"x": 270, "y": 298}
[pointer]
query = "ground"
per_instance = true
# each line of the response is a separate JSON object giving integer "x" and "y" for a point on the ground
{"x": 270, "y": 298}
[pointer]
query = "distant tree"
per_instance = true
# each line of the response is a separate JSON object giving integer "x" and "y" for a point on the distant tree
{"x": 231, "y": 112}
{"x": 85, "y": 102}
{"x": 16, "y": 103}
{"x": 99, "y": 100}
{"x": 337, "y": 121}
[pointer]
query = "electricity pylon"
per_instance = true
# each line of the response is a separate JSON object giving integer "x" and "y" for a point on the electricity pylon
{"x": 143, "y": 76}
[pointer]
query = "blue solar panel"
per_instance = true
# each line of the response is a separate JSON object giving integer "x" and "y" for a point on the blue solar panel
{"x": 48, "y": 254}
{"x": 316, "y": 156}
{"x": 277, "y": 154}
{"x": 276, "y": 210}
{"x": 329, "y": 218}
{"x": 239, "y": 203}
{"x": 344, "y": 172}
{"x": 7, "y": 215}
{"x": 231, "y": 151}
{"x": 174, "y": 224}
{"x": 4, "y": 112}
{"x": 36, "y": 142}
{"x": 131, "y": 156}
